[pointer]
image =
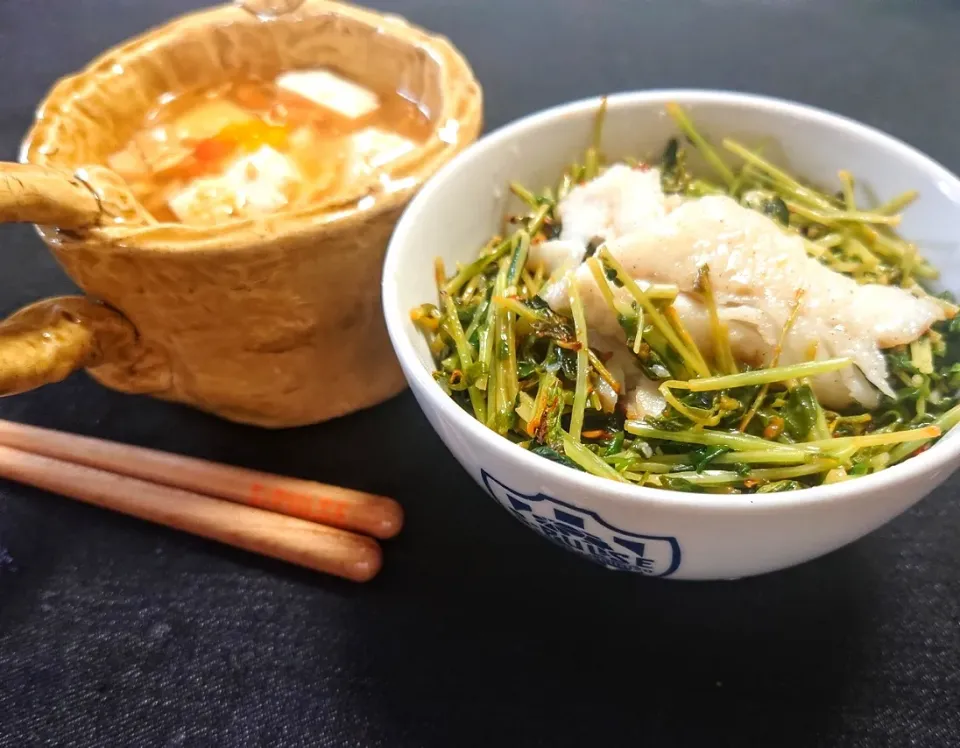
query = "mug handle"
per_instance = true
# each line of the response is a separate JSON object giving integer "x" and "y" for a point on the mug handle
{"x": 48, "y": 340}
{"x": 42, "y": 195}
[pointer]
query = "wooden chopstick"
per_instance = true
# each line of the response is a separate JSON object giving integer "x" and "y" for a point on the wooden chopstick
{"x": 298, "y": 541}
{"x": 317, "y": 502}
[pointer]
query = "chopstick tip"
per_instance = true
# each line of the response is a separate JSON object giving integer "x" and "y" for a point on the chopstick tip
{"x": 390, "y": 521}
{"x": 367, "y": 563}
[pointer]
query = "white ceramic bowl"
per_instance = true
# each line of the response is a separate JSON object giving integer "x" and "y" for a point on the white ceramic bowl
{"x": 647, "y": 530}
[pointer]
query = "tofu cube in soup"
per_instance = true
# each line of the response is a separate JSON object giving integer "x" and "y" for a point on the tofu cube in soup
{"x": 373, "y": 148}
{"x": 255, "y": 184}
{"x": 328, "y": 90}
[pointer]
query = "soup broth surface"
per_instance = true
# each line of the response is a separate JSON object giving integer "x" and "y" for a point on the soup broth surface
{"x": 252, "y": 147}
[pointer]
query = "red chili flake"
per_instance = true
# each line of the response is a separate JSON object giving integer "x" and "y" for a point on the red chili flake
{"x": 542, "y": 424}
{"x": 774, "y": 428}
{"x": 533, "y": 426}
{"x": 596, "y": 434}
{"x": 213, "y": 149}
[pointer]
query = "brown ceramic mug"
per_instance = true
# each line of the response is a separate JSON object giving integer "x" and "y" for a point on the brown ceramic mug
{"x": 273, "y": 321}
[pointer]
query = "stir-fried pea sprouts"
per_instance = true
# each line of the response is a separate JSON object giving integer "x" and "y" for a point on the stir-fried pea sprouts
{"x": 530, "y": 374}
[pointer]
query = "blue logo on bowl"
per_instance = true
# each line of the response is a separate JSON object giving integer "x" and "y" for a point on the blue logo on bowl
{"x": 586, "y": 532}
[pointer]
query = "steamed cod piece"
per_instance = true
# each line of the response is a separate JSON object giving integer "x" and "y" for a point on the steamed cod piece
{"x": 757, "y": 271}
{"x": 617, "y": 202}
{"x": 254, "y": 184}
{"x": 642, "y": 396}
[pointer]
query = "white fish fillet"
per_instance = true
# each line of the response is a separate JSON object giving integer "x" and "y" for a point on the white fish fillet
{"x": 642, "y": 398}
{"x": 756, "y": 270}
{"x": 619, "y": 201}
{"x": 615, "y": 203}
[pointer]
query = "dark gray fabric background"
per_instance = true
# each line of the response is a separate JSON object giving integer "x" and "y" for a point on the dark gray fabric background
{"x": 117, "y": 633}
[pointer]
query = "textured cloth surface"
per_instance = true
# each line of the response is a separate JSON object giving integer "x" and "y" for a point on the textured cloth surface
{"x": 114, "y": 632}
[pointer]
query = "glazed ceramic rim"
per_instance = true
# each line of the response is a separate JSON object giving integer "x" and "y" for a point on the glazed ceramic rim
{"x": 937, "y": 458}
